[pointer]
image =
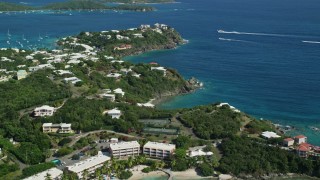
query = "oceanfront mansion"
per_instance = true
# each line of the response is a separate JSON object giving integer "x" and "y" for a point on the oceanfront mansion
{"x": 43, "y": 111}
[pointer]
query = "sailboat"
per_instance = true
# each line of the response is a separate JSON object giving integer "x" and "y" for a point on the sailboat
{"x": 9, "y": 35}
{"x": 40, "y": 38}
{"x": 23, "y": 38}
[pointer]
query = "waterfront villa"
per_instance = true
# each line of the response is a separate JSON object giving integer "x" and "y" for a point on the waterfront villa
{"x": 89, "y": 165}
{"x": 158, "y": 150}
{"x": 44, "y": 111}
{"x": 300, "y": 139}
{"x": 288, "y": 142}
{"x": 56, "y": 128}
{"x": 123, "y": 47}
{"x": 164, "y": 70}
{"x": 124, "y": 149}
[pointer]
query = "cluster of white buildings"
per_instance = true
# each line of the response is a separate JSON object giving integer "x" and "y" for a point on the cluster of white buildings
{"x": 269, "y": 135}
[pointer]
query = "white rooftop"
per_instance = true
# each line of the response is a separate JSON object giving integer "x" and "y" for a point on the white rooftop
{"x": 124, "y": 145}
{"x": 88, "y": 163}
{"x": 269, "y": 134}
{"x": 114, "y": 111}
{"x": 46, "y": 107}
{"x": 54, "y": 173}
{"x": 156, "y": 145}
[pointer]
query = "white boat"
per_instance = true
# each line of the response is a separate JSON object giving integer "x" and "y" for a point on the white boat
{"x": 220, "y": 31}
{"x": 8, "y": 42}
{"x": 9, "y": 35}
{"x": 23, "y": 38}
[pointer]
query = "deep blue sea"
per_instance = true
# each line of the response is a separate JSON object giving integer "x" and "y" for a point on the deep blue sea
{"x": 265, "y": 61}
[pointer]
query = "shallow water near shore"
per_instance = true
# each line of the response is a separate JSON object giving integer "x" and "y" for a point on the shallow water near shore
{"x": 265, "y": 61}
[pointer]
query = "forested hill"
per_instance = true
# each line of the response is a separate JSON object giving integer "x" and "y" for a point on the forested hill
{"x": 74, "y": 5}
{"x": 5, "y": 6}
{"x": 138, "y": 1}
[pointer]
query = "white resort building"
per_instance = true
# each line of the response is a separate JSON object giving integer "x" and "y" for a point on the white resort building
{"x": 158, "y": 150}
{"x": 90, "y": 164}
{"x": 56, "y": 128}
{"x": 124, "y": 149}
{"x": 55, "y": 174}
{"x": 44, "y": 111}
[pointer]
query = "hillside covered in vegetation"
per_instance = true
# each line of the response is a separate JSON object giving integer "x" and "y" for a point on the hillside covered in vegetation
{"x": 74, "y": 5}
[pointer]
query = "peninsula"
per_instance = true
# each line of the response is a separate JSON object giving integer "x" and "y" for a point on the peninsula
{"x": 74, "y": 5}
{"x": 81, "y": 112}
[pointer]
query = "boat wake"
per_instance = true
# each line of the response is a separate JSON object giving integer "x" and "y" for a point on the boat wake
{"x": 234, "y": 40}
{"x": 256, "y": 34}
{"x": 312, "y": 42}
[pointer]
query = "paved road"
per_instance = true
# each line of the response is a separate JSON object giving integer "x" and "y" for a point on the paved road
{"x": 76, "y": 137}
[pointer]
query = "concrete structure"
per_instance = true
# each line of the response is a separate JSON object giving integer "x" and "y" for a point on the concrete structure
{"x": 164, "y": 70}
{"x": 56, "y": 128}
{"x": 55, "y": 174}
{"x": 114, "y": 75}
{"x": 288, "y": 142}
{"x": 73, "y": 80}
{"x": 123, "y": 47}
{"x": 158, "y": 150}
{"x": 44, "y": 111}
{"x": 124, "y": 149}
{"x": 114, "y": 113}
{"x": 269, "y": 135}
{"x": 21, "y": 74}
{"x": 119, "y": 91}
{"x": 110, "y": 97}
{"x": 90, "y": 164}
{"x": 300, "y": 139}
{"x": 198, "y": 151}
{"x": 114, "y": 140}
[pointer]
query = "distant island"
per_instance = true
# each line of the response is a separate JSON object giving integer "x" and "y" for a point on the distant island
{"x": 74, "y": 5}
{"x": 138, "y": 1}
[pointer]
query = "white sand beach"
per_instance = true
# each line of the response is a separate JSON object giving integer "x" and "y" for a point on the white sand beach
{"x": 138, "y": 174}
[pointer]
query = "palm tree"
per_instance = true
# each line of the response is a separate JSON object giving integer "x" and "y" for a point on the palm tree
{"x": 85, "y": 174}
{"x": 130, "y": 162}
{"x": 97, "y": 173}
{"x": 48, "y": 176}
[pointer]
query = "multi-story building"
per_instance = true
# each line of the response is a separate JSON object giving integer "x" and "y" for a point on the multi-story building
{"x": 158, "y": 150}
{"x": 44, "y": 111}
{"x": 55, "y": 174}
{"x": 300, "y": 139}
{"x": 90, "y": 165}
{"x": 56, "y": 128}
{"x": 124, "y": 149}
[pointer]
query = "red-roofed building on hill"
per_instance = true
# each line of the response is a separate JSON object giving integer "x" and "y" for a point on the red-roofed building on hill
{"x": 300, "y": 139}
{"x": 303, "y": 149}
{"x": 153, "y": 63}
{"x": 288, "y": 142}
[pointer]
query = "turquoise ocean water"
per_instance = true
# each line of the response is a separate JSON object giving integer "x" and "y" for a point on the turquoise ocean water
{"x": 264, "y": 60}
